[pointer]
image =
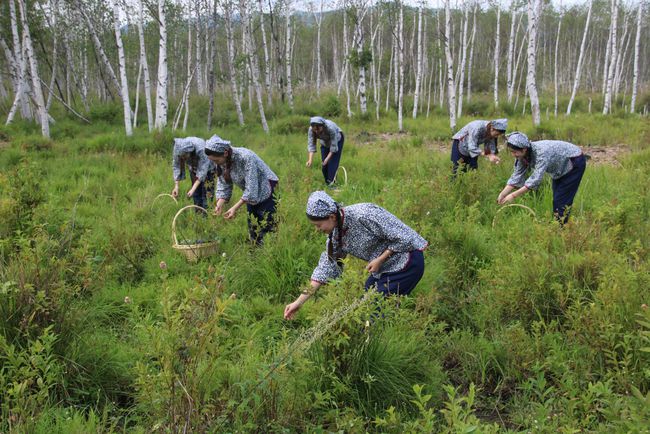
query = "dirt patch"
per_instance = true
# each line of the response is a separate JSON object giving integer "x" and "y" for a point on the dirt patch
{"x": 606, "y": 154}
{"x": 364, "y": 137}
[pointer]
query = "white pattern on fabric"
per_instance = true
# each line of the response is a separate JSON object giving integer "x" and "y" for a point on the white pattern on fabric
{"x": 368, "y": 230}
{"x": 250, "y": 173}
{"x": 546, "y": 156}
{"x": 192, "y": 150}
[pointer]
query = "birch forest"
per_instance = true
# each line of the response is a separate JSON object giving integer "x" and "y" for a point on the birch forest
{"x": 379, "y": 57}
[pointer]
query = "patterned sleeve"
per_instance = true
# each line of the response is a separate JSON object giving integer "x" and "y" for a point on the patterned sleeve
{"x": 518, "y": 175}
{"x": 177, "y": 168}
{"x": 311, "y": 143}
{"x": 333, "y": 133}
{"x": 326, "y": 270}
{"x": 224, "y": 189}
{"x": 204, "y": 166}
{"x": 535, "y": 179}
{"x": 251, "y": 180}
{"x": 400, "y": 238}
{"x": 471, "y": 140}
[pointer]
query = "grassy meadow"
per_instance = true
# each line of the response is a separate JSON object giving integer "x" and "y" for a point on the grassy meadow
{"x": 516, "y": 326}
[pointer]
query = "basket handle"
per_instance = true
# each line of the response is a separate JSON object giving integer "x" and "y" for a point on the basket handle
{"x": 176, "y": 216}
{"x": 163, "y": 195}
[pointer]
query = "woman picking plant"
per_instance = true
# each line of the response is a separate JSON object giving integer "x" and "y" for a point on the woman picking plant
{"x": 190, "y": 151}
{"x": 369, "y": 232}
{"x": 564, "y": 161}
{"x": 242, "y": 167}
{"x": 331, "y": 141}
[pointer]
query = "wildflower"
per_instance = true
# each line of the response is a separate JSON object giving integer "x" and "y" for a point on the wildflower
{"x": 223, "y": 254}
{"x": 644, "y": 306}
{"x": 233, "y": 296}
{"x": 127, "y": 300}
{"x": 163, "y": 265}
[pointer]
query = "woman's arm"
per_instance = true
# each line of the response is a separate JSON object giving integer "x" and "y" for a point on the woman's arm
{"x": 291, "y": 309}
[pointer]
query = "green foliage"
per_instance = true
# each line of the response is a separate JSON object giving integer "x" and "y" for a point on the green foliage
{"x": 516, "y": 326}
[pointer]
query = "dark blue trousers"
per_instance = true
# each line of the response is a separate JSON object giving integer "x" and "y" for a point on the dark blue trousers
{"x": 565, "y": 189}
{"x": 400, "y": 282}
{"x": 329, "y": 170}
{"x": 457, "y": 158}
{"x": 204, "y": 191}
{"x": 261, "y": 217}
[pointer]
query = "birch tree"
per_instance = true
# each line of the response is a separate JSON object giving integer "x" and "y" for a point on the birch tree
{"x": 230, "y": 42}
{"x": 576, "y": 81}
{"x": 557, "y": 51}
{"x": 420, "y": 62}
{"x": 400, "y": 34}
{"x": 145, "y": 68}
{"x": 33, "y": 72}
{"x": 251, "y": 57}
{"x": 471, "y": 54}
{"x": 161, "y": 89}
{"x": 451, "y": 86}
{"x": 287, "y": 53}
{"x": 497, "y": 49}
{"x": 267, "y": 61}
{"x": 637, "y": 43}
{"x": 534, "y": 7}
{"x": 463, "y": 60}
{"x": 124, "y": 92}
{"x": 360, "y": 8}
{"x": 612, "y": 58}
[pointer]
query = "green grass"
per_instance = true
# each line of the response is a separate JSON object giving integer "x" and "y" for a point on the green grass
{"x": 516, "y": 327}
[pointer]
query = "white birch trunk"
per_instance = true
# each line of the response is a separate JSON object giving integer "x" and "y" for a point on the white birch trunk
{"x": 361, "y": 12}
{"x": 451, "y": 86}
{"x": 418, "y": 75}
{"x": 33, "y": 70}
{"x": 471, "y": 55}
{"x": 534, "y": 7}
{"x": 497, "y": 49}
{"x": 400, "y": 104}
{"x": 608, "y": 51}
{"x": 161, "y": 90}
{"x": 21, "y": 97}
{"x": 145, "y": 69}
{"x": 612, "y": 60}
{"x": 581, "y": 56}
{"x": 557, "y": 51}
{"x": 124, "y": 92}
{"x": 288, "y": 63}
{"x": 252, "y": 60}
{"x": 231, "y": 61}
{"x": 318, "y": 17}
{"x": 463, "y": 60}
{"x": 635, "y": 73}
{"x": 267, "y": 62}
{"x": 621, "y": 52}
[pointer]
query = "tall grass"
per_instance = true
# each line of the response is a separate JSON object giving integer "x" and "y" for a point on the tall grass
{"x": 516, "y": 326}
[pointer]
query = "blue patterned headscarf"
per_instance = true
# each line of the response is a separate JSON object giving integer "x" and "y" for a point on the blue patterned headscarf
{"x": 499, "y": 124}
{"x": 183, "y": 146}
{"x": 317, "y": 120}
{"x": 518, "y": 140}
{"x": 217, "y": 144}
{"x": 320, "y": 205}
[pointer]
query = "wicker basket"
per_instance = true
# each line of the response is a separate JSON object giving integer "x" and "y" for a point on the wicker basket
{"x": 518, "y": 205}
{"x": 193, "y": 252}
